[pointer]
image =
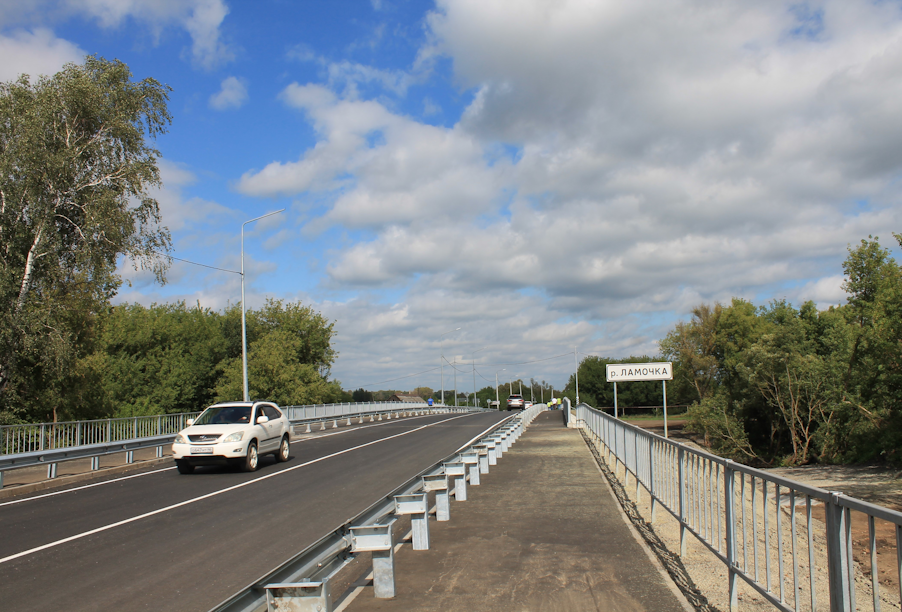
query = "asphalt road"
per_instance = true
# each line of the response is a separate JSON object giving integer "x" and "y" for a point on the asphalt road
{"x": 164, "y": 541}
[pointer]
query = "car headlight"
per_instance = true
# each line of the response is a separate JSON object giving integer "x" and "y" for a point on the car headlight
{"x": 180, "y": 439}
{"x": 235, "y": 437}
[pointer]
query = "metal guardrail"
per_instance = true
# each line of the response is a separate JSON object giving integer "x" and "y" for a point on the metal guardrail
{"x": 51, "y": 458}
{"x": 110, "y": 436}
{"x": 310, "y": 570}
{"x": 31, "y": 437}
{"x": 314, "y": 412}
{"x": 748, "y": 519}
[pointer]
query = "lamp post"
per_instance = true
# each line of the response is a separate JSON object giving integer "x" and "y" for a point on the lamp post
{"x": 442, "y": 359}
{"x": 243, "y": 306}
{"x": 473, "y": 358}
{"x": 497, "y": 400}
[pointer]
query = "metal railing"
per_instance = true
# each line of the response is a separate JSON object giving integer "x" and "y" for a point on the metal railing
{"x": 315, "y": 412}
{"x": 750, "y": 520}
{"x": 29, "y": 438}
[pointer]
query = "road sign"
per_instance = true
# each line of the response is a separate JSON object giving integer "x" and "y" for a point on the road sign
{"x": 622, "y": 372}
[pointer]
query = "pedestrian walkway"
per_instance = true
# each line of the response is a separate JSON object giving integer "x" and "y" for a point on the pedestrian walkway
{"x": 543, "y": 532}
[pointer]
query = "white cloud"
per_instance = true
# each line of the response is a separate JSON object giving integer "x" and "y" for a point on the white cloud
{"x": 200, "y": 18}
{"x": 178, "y": 212}
{"x": 232, "y": 94}
{"x": 38, "y": 52}
{"x": 619, "y": 163}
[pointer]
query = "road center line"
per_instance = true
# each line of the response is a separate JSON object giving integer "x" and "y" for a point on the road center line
{"x": 214, "y": 493}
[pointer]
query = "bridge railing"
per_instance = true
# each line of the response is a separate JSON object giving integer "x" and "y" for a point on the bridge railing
{"x": 758, "y": 524}
{"x": 33, "y": 437}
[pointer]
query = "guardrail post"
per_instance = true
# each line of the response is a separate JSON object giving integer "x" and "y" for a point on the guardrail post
{"x": 299, "y": 596}
{"x": 95, "y": 464}
{"x": 472, "y": 460}
{"x": 838, "y": 571}
{"x": 1, "y": 479}
{"x": 681, "y": 460}
{"x": 490, "y": 447}
{"x": 457, "y": 473}
{"x": 378, "y": 540}
{"x": 729, "y": 493}
{"x": 439, "y": 484}
{"x": 130, "y": 456}
{"x": 51, "y": 470}
{"x": 417, "y": 506}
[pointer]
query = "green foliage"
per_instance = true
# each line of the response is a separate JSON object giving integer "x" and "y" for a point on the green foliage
{"x": 162, "y": 359}
{"x": 276, "y": 372}
{"x": 362, "y": 395}
{"x": 793, "y": 386}
{"x": 75, "y": 174}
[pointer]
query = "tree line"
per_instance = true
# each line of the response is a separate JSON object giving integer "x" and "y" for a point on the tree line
{"x": 169, "y": 358}
{"x": 777, "y": 384}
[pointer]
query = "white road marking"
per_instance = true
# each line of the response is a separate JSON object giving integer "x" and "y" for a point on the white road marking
{"x": 214, "y": 493}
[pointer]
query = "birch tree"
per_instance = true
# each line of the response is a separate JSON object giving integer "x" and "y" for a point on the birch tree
{"x": 75, "y": 173}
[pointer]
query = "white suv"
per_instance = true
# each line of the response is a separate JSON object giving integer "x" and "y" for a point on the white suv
{"x": 233, "y": 433}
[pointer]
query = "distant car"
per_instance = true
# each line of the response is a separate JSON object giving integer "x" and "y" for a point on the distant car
{"x": 527, "y": 404}
{"x": 235, "y": 433}
{"x": 515, "y": 402}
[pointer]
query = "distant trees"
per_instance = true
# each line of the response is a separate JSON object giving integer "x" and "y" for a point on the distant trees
{"x": 596, "y": 391}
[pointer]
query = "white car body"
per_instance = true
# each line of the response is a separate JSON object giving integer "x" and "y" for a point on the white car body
{"x": 226, "y": 433}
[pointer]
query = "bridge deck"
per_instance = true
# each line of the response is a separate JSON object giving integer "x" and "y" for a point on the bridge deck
{"x": 542, "y": 532}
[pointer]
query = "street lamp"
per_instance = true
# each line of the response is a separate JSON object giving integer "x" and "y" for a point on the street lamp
{"x": 473, "y": 358}
{"x": 243, "y": 307}
{"x": 497, "y": 400}
{"x": 442, "y": 359}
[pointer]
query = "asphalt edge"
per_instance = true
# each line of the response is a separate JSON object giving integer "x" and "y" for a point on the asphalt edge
{"x": 14, "y": 490}
{"x": 669, "y": 564}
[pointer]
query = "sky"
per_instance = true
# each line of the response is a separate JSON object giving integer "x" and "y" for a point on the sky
{"x": 502, "y": 184}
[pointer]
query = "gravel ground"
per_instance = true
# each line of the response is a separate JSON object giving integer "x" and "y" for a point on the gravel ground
{"x": 710, "y": 575}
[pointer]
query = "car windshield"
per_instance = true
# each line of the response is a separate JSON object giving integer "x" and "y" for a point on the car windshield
{"x": 222, "y": 415}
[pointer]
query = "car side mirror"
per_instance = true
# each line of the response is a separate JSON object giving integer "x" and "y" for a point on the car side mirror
{"x": 262, "y": 419}
{"x": 189, "y": 422}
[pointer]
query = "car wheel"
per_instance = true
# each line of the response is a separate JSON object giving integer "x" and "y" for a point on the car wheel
{"x": 184, "y": 467}
{"x": 252, "y": 458}
{"x": 284, "y": 448}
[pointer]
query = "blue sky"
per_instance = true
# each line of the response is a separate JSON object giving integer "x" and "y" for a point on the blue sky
{"x": 544, "y": 175}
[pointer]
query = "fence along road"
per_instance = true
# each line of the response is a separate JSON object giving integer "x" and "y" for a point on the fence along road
{"x": 165, "y": 541}
{"x": 751, "y": 521}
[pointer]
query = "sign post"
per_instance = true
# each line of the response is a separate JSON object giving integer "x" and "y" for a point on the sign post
{"x": 631, "y": 372}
